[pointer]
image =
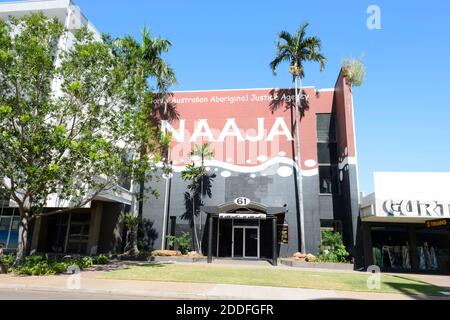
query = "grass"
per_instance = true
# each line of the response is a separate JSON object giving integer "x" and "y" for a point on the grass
{"x": 343, "y": 281}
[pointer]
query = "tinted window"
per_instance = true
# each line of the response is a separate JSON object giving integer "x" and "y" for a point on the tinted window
{"x": 328, "y": 179}
{"x": 326, "y": 127}
{"x": 327, "y": 153}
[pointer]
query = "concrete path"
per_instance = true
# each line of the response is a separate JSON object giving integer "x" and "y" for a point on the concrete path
{"x": 91, "y": 285}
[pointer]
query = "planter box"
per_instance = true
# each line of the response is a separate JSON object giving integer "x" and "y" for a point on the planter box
{"x": 319, "y": 265}
{"x": 177, "y": 259}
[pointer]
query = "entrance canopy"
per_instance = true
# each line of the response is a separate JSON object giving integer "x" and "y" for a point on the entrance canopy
{"x": 244, "y": 236}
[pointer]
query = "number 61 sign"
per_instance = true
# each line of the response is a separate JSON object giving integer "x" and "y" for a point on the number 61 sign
{"x": 241, "y": 201}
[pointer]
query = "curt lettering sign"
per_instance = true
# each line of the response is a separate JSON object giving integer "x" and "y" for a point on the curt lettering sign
{"x": 414, "y": 208}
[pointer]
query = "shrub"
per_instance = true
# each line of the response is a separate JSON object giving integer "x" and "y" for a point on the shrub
{"x": 41, "y": 266}
{"x": 85, "y": 262}
{"x": 8, "y": 260}
{"x": 332, "y": 248}
{"x": 101, "y": 259}
{"x": 183, "y": 242}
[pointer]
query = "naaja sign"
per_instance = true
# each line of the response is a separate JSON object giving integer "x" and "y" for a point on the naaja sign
{"x": 414, "y": 208}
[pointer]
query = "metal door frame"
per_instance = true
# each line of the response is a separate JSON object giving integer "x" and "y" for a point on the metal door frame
{"x": 258, "y": 242}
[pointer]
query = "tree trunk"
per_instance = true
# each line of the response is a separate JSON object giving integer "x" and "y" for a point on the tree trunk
{"x": 195, "y": 225}
{"x": 22, "y": 249}
{"x": 299, "y": 162}
{"x": 134, "y": 251}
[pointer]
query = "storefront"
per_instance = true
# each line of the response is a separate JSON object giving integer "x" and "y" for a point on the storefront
{"x": 95, "y": 229}
{"x": 406, "y": 222}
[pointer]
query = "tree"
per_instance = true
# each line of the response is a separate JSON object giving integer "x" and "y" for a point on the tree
{"x": 131, "y": 222}
{"x": 204, "y": 152}
{"x": 297, "y": 49}
{"x": 200, "y": 184}
{"x": 71, "y": 120}
{"x": 192, "y": 173}
{"x": 146, "y": 58}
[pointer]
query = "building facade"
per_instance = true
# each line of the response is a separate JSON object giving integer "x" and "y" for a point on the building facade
{"x": 405, "y": 223}
{"x": 251, "y": 193}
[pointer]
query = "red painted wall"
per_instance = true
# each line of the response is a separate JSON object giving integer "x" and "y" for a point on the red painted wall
{"x": 249, "y": 105}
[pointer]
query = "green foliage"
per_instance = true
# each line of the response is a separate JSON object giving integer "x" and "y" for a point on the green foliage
{"x": 297, "y": 49}
{"x": 183, "y": 242}
{"x": 101, "y": 259}
{"x": 354, "y": 71}
{"x": 41, "y": 266}
{"x": 192, "y": 172}
{"x": 332, "y": 248}
{"x": 91, "y": 136}
{"x": 85, "y": 262}
{"x": 131, "y": 221}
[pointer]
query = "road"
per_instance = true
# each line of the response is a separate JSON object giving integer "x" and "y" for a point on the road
{"x": 47, "y": 295}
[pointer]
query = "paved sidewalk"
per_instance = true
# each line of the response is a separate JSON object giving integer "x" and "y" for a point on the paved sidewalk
{"x": 91, "y": 284}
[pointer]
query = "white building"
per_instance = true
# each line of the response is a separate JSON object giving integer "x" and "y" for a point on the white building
{"x": 406, "y": 221}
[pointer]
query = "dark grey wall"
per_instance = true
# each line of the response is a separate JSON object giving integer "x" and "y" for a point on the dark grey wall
{"x": 272, "y": 191}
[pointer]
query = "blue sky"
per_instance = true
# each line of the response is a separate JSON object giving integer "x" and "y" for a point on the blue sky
{"x": 402, "y": 111}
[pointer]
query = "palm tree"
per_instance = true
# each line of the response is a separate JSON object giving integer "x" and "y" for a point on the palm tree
{"x": 297, "y": 49}
{"x": 200, "y": 181}
{"x": 204, "y": 152}
{"x": 131, "y": 222}
{"x": 192, "y": 173}
{"x": 146, "y": 58}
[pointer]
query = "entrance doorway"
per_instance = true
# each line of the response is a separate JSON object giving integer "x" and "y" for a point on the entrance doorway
{"x": 245, "y": 242}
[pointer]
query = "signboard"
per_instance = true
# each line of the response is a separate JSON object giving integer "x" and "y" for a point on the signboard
{"x": 283, "y": 234}
{"x": 415, "y": 208}
{"x": 437, "y": 223}
{"x": 242, "y": 216}
{"x": 416, "y": 195}
{"x": 241, "y": 201}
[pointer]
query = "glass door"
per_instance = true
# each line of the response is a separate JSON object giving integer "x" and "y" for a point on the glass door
{"x": 251, "y": 243}
{"x": 245, "y": 242}
{"x": 238, "y": 242}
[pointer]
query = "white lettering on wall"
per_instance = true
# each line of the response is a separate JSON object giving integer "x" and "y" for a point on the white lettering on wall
{"x": 230, "y": 125}
{"x": 230, "y": 129}
{"x": 202, "y": 130}
{"x": 178, "y": 135}
{"x": 279, "y": 124}
{"x": 260, "y": 132}
{"x": 414, "y": 208}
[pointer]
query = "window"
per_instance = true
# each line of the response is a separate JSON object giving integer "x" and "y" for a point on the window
{"x": 328, "y": 179}
{"x": 326, "y": 127}
{"x": 9, "y": 229}
{"x": 327, "y": 153}
{"x": 78, "y": 233}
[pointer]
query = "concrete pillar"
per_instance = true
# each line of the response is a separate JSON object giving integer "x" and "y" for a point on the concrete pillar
{"x": 94, "y": 228}
{"x": 414, "y": 256}
{"x": 274, "y": 242}
{"x": 367, "y": 243}
{"x": 210, "y": 237}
